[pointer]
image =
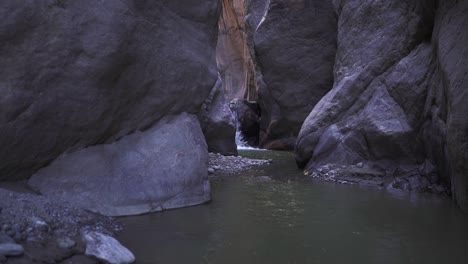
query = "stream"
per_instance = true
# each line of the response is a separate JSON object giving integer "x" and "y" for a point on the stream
{"x": 274, "y": 214}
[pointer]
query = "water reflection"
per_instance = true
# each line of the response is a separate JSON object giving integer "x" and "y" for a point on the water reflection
{"x": 276, "y": 215}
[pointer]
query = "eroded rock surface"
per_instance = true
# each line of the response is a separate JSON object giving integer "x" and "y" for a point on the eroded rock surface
{"x": 81, "y": 73}
{"x": 218, "y": 123}
{"x": 396, "y": 102}
{"x": 295, "y": 46}
{"x": 161, "y": 168}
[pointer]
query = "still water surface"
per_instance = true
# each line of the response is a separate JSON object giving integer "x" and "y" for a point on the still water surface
{"x": 273, "y": 214}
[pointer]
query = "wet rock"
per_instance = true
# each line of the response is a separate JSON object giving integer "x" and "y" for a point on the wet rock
{"x": 106, "y": 248}
{"x": 11, "y": 249}
{"x": 161, "y": 168}
{"x": 247, "y": 115}
{"x": 217, "y": 122}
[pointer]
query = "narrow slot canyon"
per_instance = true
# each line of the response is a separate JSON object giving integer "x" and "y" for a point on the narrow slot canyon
{"x": 233, "y": 131}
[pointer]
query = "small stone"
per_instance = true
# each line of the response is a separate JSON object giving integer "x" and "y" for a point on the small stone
{"x": 210, "y": 170}
{"x": 6, "y": 239}
{"x": 17, "y": 228}
{"x": 360, "y": 165}
{"x": 66, "y": 242}
{"x": 39, "y": 224}
{"x": 11, "y": 249}
{"x": 18, "y": 237}
{"x": 106, "y": 248}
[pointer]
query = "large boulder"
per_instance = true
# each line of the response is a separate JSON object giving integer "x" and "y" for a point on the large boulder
{"x": 247, "y": 115}
{"x": 217, "y": 122}
{"x": 372, "y": 86}
{"x": 161, "y": 168}
{"x": 83, "y": 72}
{"x": 295, "y": 45}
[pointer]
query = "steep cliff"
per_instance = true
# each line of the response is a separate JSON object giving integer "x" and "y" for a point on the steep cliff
{"x": 235, "y": 58}
{"x": 396, "y": 107}
{"x": 295, "y": 45}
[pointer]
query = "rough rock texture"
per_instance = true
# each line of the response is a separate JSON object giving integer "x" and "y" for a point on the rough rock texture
{"x": 398, "y": 101}
{"x": 233, "y": 164}
{"x": 446, "y": 110}
{"x": 161, "y": 168}
{"x": 83, "y": 72}
{"x": 247, "y": 115}
{"x": 235, "y": 57}
{"x": 48, "y": 229}
{"x": 217, "y": 122}
{"x": 366, "y": 107}
{"x": 295, "y": 46}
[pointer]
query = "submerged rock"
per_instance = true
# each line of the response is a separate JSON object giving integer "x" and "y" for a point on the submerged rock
{"x": 107, "y": 249}
{"x": 161, "y": 168}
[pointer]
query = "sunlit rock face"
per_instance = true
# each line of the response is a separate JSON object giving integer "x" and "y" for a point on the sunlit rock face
{"x": 295, "y": 45}
{"x": 235, "y": 56}
{"x": 81, "y": 73}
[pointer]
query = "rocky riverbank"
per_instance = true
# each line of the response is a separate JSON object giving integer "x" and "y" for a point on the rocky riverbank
{"x": 417, "y": 179}
{"x": 232, "y": 164}
{"x": 36, "y": 229}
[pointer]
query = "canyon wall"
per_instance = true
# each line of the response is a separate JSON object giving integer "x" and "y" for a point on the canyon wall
{"x": 87, "y": 73}
{"x": 396, "y": 106}
{"x": 295, "y": 45}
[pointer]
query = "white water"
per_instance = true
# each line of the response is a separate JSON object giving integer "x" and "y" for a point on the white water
{"x": 241, "y": 142}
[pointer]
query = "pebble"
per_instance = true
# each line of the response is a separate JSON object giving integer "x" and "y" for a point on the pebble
{"x": 66, "y": 242}
{"x": 11, "y": 249}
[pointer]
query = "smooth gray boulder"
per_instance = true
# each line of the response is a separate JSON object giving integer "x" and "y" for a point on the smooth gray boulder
{"x": 11, "y": 249}
{"x": 217, "y": 122}
{"x": 106, "y": 248}
{"x": 161, "y": 168}
{"x": 295, "y": 44}
{"x": 84, "y": 72}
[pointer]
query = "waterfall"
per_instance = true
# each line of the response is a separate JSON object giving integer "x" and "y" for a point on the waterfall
{"x": 241, "y": 142}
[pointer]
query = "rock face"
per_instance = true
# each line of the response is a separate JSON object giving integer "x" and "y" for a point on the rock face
{"x": 397, "y": 99}
{"x": 295, "y": 46}
{"x": 81, "y": 73}
{"x": 217, "y": 122}
{"x": 366, "y": 115}
{"x": 161, "y": 168}
{"x": 235, "y": 58}
{"x": 446, "y": 109}
{"x": 247, "y": 115}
